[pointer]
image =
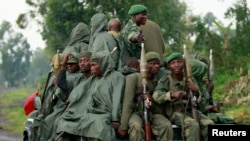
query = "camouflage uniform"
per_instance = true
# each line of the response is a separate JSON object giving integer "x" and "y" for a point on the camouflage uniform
{"x": 175, "y": 110}
{"x": 130, "y": 29}
{"x": 199, "y": 70}
{"x": 132, "y": 113}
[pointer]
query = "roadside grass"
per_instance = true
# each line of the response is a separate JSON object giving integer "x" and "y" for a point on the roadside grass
{"x": 240, "y": 113}
{"x": 12, "y": 108}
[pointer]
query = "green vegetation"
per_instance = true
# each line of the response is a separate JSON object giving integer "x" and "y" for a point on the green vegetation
{"x": 12, "y": 108}
{"x": 240, "y": 113}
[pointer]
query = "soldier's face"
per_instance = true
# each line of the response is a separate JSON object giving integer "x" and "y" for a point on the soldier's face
{"x": 73, "y": 67}
{"x": 176, "y": 66}
{"x": 84, "y": 63}
{"x": 141, "y": 18}
{"x": 95, "y": 68}
{"x": 153, "y": 66}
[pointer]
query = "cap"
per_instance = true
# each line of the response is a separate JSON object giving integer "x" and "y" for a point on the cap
{"x": 136, "y": 9}
{"x": 151, "y": 56}
{"x": 85, "y": 54}
{"x": 73, "y": 59}
{"x": 173, "y": 56}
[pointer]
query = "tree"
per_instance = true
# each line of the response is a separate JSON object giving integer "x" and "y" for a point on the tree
{"x": 60, "y": 16}
{"x": 15, "y": 54}
{"x": 241, "y": 13}
{"x": 39, "y": 66}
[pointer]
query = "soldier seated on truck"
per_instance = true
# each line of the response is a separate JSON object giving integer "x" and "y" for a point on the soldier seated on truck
{"x": 171, "y": 91}
{"x": 207, "y": 106}
{"x": 132, "y": 109}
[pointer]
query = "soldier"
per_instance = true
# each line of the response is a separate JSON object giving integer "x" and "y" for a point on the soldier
{"x": 132, "y": 111}
{"x": 132, "y": 32}
{"x": 131, "y": 65}
{"x": 153, "y": 38}
{"x": 79, "y": 39}
{"x": 106, "y": 107}
{"x": 207, "y": 106}
{"x": 171, "y": 91}
{"x": 70, "y": 70}
{"x": 101, "y": 40}
{"x": 65, "y": 78}
{"x": 95, "y": 104}
{"x": 46, "y": 105}
{"x": 84, "y": 64}
{"x": 114, "y": 27}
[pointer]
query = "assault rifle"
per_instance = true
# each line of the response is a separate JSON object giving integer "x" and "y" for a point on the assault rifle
{"x": 188, "y": 75}
{"x": 143, "y": 72}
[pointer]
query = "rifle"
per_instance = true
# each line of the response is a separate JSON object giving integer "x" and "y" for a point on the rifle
{"x": 188, "y": 74}
{"x": 210, "y": 75}
{"x": 143, "y": 72}
{"x": 210, "y": 81}
{"x": 211, "y": 66}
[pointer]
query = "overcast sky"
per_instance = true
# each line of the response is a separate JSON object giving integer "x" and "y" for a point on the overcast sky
{"x": 10, "y": 9}
{"x": 218, "y": 7}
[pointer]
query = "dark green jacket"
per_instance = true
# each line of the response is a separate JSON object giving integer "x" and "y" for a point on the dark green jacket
{"x": 79, "y": 39}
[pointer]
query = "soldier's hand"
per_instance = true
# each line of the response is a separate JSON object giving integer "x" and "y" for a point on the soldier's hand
{"x": 192, "y": 87}
{"x": 115, "y": 124}
{"x": 65, "y": 60}
{"x": 210, "y": 87}
{"x": 148, "y": 97}
{"x": 122, "y": 133}
{"x": 137, "y": 38}
{"x": 54, "y": 82}
{"x": 212, "y": 108}
{"x": 178, "y": 95}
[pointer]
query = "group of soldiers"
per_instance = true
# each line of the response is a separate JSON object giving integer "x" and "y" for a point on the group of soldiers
{"x": 99, "y": 92}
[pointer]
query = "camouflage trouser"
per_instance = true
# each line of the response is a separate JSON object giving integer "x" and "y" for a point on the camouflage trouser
{"x": 190, "y": 128}
{"x": 220, "y": 118}
{"x": 161, "y": 127}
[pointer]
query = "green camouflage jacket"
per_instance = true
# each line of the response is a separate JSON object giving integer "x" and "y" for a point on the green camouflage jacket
{"x": 130, "y": 29}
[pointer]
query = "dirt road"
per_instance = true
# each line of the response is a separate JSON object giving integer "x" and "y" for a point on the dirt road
{"x": 6, "y": 135}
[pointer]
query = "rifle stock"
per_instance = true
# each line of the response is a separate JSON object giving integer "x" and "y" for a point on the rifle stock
{"x": 143, "y": 72}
